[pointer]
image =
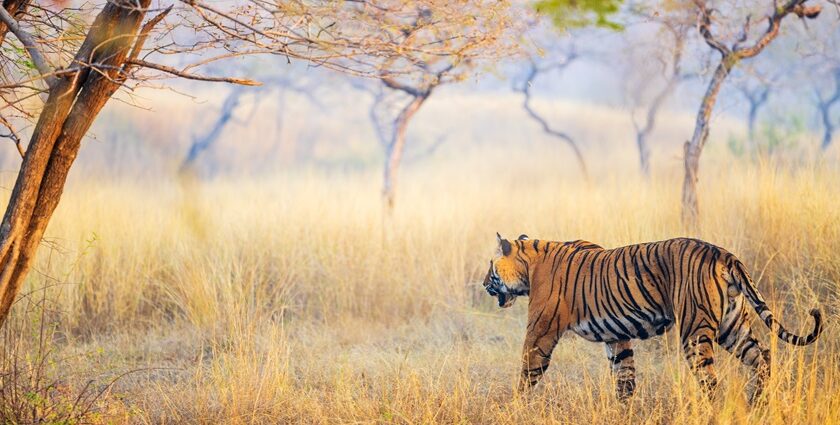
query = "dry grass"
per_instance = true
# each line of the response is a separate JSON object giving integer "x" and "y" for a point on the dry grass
{"x": 292, "y": 300}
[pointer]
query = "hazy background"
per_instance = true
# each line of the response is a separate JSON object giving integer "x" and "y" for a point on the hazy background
{"x": 317, "y": 119}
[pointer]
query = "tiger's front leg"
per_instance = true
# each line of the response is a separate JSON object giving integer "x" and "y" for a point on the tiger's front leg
{"x": 544, "y": 330}
{"x": 536, "y": 356}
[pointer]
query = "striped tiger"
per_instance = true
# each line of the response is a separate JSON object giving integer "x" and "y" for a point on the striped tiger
{"x": 618, "y": 295}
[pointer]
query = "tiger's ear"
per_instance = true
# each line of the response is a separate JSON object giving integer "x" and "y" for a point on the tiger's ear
{"x": 504, "y": 245}
{"x": 522, "y": 237}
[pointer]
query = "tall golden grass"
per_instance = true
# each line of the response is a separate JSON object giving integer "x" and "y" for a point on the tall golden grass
{"x": 295, "y": 299}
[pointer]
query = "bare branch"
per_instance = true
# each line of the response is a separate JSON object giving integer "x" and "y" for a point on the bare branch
{"x": 391, "y": 83}
{"x": 30, "y": 45}
{"x": 189, "y": 76}
{"x": 145, "y": 31}
{"x": 704, "y": 25}
{"x": 13, "y": 135}
{"x": 774, "y": 22}
{"x": 525, "y": 89}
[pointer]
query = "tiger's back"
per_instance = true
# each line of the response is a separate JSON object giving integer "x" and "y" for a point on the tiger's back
{"x": 632, "y": 292}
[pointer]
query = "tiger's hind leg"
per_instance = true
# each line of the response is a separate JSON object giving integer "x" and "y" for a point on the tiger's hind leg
{"x": 620, "y": 355}
{"x": 700, "y": 354}
{"x": 735, "y": 337}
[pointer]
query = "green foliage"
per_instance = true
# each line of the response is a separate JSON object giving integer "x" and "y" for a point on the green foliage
{"x": 18, "y": 55}
{"x": 736, "y": 145}
{"x": 580, "y": 13}
{"x": 782, "y": 135}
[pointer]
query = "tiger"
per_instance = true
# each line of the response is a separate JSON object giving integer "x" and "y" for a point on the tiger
{"x": 635, "y": 292}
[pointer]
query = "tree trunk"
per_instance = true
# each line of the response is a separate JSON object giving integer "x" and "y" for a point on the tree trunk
{"x": 16, "y": 8}
{"x": 757, "y": 99}
{"x": 825, "y": 106}
{"x": 729, "y": 58}
{"x": 825, "y": 115}
{"x": 828, "y": 127}
{"x": 753, "y": 114}
{"x": 394, "y": 152}
{"x": 693, "y": 148}
{"x": 71, "y": 107}
{"x": 203, "y": 143}
{"x": 644, "y": 153}
{"x": 643, "y": 133}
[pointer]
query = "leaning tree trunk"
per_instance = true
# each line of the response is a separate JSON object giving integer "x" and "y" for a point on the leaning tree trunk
{"x": 751, "y": 118}
{"x": 394, "y": 153}
{"x": 72, "y": 105}
{"x": 205, "y": 142}
{"x": 729, "y": 58}
{"x": 642, "y": 134}
{"x": 825, "y": 106}
{"x": 828, "y": 127}
{"x": 757, "y": 99}
{"x": 825, "y": 114}
{"x": 693, "y": 148}
{"x": 644, "y": 154}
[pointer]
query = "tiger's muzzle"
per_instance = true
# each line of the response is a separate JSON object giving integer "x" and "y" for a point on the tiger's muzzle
{"x": 496, "y": 288}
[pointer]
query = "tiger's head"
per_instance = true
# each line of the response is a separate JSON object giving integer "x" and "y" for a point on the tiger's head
{"x": 508, "y": 274}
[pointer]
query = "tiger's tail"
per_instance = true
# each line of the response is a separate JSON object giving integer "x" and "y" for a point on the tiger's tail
{"x": 747, "y": 287}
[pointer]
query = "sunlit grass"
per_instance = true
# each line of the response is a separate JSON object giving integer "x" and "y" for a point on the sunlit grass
{"x": 295, "y": 299}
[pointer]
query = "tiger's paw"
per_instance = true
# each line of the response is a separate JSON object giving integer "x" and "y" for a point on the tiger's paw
{"x": 625, "y": 389}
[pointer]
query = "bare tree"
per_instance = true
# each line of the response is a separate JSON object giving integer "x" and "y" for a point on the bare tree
{"x": 76, "y": 66}
{"x": 395, "y": 145}
{"x": 534, "y": 71}
{"x": 386, "y": 106}
{"x": 232, "y": 102}
{"x": 202, "y": 143}
{"x": 755, "y": 86}
{"x": 825, "y": 103}
{"x": 756, "y": 95}
{"x": 730, "y": 56}
{"x": 677, "y": 28}
{"x": 463, "y": 34}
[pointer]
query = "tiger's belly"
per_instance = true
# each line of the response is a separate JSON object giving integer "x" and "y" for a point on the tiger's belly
{"x": 614, "y": 329}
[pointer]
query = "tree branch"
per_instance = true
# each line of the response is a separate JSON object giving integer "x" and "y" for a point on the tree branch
{"x": 704, "y": 25}
{"x": 145, "y": 31}
{"x": 12, "y": 135}
{"x": 30, "y": 45}
{"x": 189, "y": 76}
{"x": 774, "y": 22}
{"x": 526, "y": 104}
{"x": 393, "y": 84}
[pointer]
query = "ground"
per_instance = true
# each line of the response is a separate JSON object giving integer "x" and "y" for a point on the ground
{"x": 295, "y": 299}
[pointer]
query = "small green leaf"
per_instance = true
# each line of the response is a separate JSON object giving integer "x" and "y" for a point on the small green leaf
{"x": 568, "y": 14}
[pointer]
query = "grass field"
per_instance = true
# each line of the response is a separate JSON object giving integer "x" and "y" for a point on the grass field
{"x": 294, "y": 299}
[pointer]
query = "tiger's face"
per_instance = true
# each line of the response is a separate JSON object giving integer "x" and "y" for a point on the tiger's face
{"x": 508, "y": 274}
